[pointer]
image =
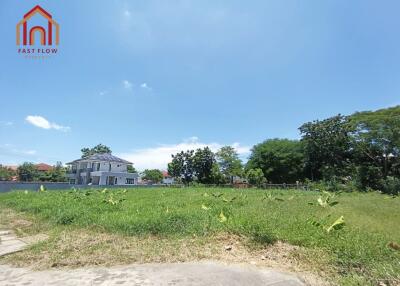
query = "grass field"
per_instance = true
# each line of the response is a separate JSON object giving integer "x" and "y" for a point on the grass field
{"x": 355, "y": 252}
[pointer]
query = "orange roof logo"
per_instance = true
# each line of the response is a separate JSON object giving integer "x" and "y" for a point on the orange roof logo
{"x": 45, "y": 33}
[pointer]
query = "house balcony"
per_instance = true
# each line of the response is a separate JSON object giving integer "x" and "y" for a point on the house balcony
{"x": 73, "y": 174}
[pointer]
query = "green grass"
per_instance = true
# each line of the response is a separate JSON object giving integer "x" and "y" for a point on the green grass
{"x": 358, "y": 252}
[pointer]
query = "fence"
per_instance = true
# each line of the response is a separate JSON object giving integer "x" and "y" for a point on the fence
{"x": 7, "y": 186}
{"x": 286, "y": 186}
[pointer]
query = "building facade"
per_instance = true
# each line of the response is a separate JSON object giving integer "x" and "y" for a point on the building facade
{"x": 101, "y": 169}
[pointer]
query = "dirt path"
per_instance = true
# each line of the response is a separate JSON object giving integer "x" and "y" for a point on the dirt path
{"x": 204, "y": 274}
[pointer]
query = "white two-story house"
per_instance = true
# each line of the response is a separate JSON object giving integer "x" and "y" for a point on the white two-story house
{"x": 101, "y": 169}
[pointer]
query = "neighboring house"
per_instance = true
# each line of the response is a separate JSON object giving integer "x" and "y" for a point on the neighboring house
{"x": 42, "y": 167}
{"x": 101, "y": 169}
{"x": 15, "y": 169}
{"x": 167, "y": 179}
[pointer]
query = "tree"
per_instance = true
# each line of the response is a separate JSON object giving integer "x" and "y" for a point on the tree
{"x": 153, "y": 175}
{"x": 98, "y": 149}
{"x": 376, "y": 146}
{"x": 327, "y": 146}
{"x": 216, "y": 176}
{"x": 229, "y": 162}
{"x": 131, "y": 169}
{"x": 256, "y": 177}
{"x": 27, "y": 172}
{"x": 181, "y": 166}
{"x": 6, "y": 174}
{"x": 281, "y": 160}
{"x": 58, "y": 173}
{"x": 203, "y": 161}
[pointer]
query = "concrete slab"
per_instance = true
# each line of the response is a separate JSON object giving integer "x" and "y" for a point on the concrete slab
{"x": 178, "y": 274}
{"x": 9, "y": 243}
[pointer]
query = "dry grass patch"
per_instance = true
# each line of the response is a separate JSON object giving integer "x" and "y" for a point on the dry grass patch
{"x": 71, "y": 248}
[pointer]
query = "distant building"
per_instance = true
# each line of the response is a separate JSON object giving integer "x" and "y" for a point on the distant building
{"x": 43, "y": 167}
{"x": 101, "y": 169}
{"x": 167, "y": 179}
{"x": 15, "y": 169}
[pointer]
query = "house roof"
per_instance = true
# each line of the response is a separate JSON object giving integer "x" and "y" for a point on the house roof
{"x": 37, "y": 9}
{"x": 106, "y": 157}
{"x": 165, "y": 174}
{"x": 43, "y": 167}
{"x": 12, "y": 167}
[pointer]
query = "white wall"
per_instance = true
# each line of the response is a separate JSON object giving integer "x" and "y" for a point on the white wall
{"x": 105, "y": 167}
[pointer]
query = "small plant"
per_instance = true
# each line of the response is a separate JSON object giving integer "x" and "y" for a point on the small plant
{"x": 323, "y": 223}
{"x": 338, "y": 224}
{"x": 325, "y": 201}
{"x": 228, "y": 200}
{"x": 222, "y": 218}
{"x": 204, "y": 207}
{"x": 216, "y": 195}
{"x": 112, "y": 201}
{"x": 394, "y": 245}
{"x": 270, "y": 197}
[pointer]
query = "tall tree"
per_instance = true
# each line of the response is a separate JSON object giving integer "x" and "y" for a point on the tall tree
{"x": 327, "y": 147}
{"x": 376, "y": 145}
{"x": 229, "y": 162}
{"x": 281, "y": 160}
{"x": 181, "y": 166}
{"x": 98, "y": 149}
{"x": 27, "y": 172}
{"x": 203, "y": 161}
{"x": 131, "y": 169}
{"x": 153, "y": 175}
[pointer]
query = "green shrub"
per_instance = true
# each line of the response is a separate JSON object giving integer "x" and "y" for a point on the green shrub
{"x": 391, "y": 186}
{"x": 368, "y": 177}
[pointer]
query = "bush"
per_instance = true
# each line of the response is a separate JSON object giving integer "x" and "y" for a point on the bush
{"x": 256, "y": 177}
{"x": 391, "y": 186}
{"x": 368, "y": 177}
{"x": 334, "y": 185}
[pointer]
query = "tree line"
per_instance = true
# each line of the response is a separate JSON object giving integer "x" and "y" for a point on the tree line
{"x": 360, "y": 151}
{"x": 28, "y": 172}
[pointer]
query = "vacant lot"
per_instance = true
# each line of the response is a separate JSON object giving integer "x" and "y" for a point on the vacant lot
{"x": 290, "y": 229}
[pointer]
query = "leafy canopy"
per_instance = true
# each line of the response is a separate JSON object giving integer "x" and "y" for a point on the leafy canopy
{"x": 98, "y": 149}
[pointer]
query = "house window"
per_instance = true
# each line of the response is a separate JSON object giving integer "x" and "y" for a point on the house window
{"x": 116, "y": 180}
{"x": 130, "y": 181}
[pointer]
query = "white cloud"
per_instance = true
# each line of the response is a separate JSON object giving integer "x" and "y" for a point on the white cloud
{"x": 42, "y": 122}
{"x": 159, "y": 157}
{"x": 127, "y": 84}
{"x": 145, "y": 86}
{"x": 6, "y": 123}
{"x": 127, "y": 13}
{"x": 9, "y": 149}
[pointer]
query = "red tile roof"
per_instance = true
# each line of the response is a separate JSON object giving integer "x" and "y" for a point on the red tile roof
{"x": 43, "y": 167}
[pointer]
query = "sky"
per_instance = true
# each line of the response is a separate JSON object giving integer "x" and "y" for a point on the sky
{"x": 151, "y": 78}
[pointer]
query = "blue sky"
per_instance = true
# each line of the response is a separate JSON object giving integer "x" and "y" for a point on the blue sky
{"x": 150, "y": 77}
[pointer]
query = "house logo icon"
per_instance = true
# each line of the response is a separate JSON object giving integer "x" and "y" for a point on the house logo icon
{"x": 45, "y": 33}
